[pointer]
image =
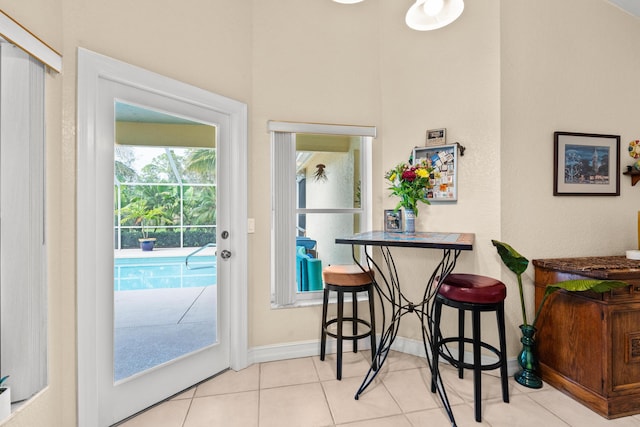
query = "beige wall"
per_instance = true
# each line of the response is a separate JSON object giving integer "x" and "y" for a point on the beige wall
{"x": 571, "y": 70}
{"x": 498, "y": 81}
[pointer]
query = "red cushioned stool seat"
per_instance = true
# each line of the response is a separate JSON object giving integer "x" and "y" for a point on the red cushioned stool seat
{"x": 473, "y": 288}
{"x": 474, "y": 293}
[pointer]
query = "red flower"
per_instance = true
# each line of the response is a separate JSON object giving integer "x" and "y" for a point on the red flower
{"x": 409, "y": 175}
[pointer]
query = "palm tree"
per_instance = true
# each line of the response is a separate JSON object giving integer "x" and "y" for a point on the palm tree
{"x": 138, "y": 212}
{"x": 203, "y": 206}
{"x": 201, "y": 164}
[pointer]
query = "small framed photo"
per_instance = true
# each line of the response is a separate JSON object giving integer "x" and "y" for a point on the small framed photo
{"x": 586, "y": 164}
{"x": 393, "y": 221}
{"x": 436, "y": 137}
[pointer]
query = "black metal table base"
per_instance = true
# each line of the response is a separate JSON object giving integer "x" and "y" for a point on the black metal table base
{"x": 388, "y": 289}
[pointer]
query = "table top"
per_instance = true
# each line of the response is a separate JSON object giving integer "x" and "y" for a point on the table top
{"x": 602, "y": 267}
{"x": 433, "y": 240}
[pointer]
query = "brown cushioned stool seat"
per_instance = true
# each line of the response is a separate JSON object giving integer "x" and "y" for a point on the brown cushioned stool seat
{"x": 351, "y": 279}
{"x": 474, "y": 293}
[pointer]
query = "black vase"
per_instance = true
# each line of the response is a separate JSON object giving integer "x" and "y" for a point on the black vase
{"x": 527, "y": 375}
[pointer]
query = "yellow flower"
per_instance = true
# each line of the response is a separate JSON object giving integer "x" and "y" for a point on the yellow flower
{"x": 392, "y": 177}
{"x": 422, "y": 173}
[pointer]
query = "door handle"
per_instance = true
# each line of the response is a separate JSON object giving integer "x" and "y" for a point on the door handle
{"x": 225, "y": 254}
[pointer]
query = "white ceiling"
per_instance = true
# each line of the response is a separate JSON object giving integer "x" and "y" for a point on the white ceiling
{"x": 631, "y": 6}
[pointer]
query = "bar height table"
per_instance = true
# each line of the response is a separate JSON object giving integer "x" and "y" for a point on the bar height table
{"x": 388, "y": 288}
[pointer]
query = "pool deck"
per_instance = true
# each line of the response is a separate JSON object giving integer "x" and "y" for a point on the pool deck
{"x": 157, "y": 325}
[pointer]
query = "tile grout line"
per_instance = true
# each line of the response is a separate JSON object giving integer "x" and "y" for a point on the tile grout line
{"x": 186, "y": 415}
{"x": 324, "y": 392}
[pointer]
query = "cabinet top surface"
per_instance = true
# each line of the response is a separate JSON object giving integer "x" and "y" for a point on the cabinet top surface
{"x": 605, "y": 267}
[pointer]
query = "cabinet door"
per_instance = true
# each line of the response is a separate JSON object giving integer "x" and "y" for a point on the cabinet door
{"x": 625, "y": 351}
{"x": 571, "y": 339}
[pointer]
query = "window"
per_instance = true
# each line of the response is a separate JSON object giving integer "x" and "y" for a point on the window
{"x": 321, "y": 177}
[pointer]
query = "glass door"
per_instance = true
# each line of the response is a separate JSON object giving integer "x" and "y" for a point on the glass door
{"x": 153, "y": 156}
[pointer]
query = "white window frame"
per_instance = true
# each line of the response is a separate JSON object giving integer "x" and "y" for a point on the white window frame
{"x": 283, "y": 202}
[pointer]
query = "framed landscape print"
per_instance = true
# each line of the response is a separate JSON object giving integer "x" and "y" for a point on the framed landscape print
{"x": 586, "y": 164}
{"x": 444, "y": 159}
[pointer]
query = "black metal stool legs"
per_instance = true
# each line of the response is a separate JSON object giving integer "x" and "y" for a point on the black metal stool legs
{"x": 439, "y": 347}
{"x": 460, "y": 342}
{"x": 340, "y": 319}
{"x": 339, "y": 334}
{"x": 354, "y": 324}
{"x": 477, "y": 365}
{"x": 323, "y": 333}
{"x": 503, "y": 350}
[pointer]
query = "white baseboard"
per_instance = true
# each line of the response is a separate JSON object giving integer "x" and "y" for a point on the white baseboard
{"x": 294, "y": 350}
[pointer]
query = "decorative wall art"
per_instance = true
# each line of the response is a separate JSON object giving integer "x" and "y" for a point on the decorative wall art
{"x": 586, "y": 164}
{"x": 444, "y": 159}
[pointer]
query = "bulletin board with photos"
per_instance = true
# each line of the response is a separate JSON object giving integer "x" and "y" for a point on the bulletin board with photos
{"x": 444, "y": 159}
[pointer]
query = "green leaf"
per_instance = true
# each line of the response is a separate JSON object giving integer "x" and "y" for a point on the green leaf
{"x": 578, "y": 285}
{"x": 581, "y": 285}
{"x": 511, "y": 258}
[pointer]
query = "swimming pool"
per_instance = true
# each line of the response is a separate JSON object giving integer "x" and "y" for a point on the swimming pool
{"x": 165, "y": 272}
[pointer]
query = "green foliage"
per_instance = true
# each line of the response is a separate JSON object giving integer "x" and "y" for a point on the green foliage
{"x": 156, "y": 205}
{"x": 138, "y": 212}
{"x": 511, "y": 258}
{"x": 579, "y": 285}
{"x": 518, "y": 264}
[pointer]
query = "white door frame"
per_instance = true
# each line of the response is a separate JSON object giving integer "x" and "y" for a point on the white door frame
{"x": 92, "y": 68}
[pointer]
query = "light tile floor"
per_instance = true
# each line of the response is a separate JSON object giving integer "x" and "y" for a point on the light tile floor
{"x": 304, "y": 392}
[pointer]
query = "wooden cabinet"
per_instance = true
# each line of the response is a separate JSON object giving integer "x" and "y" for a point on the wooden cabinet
{"x": 589, "y": 343}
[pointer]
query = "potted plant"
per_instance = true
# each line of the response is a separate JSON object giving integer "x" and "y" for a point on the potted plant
{"x": 518, "y": 264}
{"x": 139, "y": 213}
{"x": 410, "y": 183}
{"x": 5, "y": 399}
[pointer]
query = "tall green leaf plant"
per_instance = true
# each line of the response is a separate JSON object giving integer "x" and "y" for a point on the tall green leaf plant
{"x": 518, "y": 264}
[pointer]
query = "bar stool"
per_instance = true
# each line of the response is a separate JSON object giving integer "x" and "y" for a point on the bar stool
{"x": 342, "y": 279}
{"x": 474, "y": 293}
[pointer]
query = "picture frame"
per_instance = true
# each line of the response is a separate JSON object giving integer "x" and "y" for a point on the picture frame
{"x": 436, "y": 137}
{"x": 393, "y": 221}
{"x": 586, "y": 164}
{"x": 444, "y": 180}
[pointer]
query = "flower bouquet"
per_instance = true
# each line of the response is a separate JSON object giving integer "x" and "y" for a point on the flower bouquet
{"x": 410, "y": 183}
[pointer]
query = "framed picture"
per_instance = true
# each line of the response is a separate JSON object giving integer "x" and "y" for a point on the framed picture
{"x": 444, "y": 180}
{"x": 586, "y": 164}
{"x": 393, "y": 221}
{"x": 436, "y": 137}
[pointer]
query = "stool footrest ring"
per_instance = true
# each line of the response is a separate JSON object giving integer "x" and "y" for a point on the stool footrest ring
{"x": 454, "y": 362}
{"x": 348, "y": 336}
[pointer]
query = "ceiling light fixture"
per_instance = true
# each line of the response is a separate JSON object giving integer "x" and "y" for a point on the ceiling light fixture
{"x": 427, "y": 15}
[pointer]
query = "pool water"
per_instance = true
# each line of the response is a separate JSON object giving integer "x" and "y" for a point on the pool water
{"x": 161, "y": 273}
